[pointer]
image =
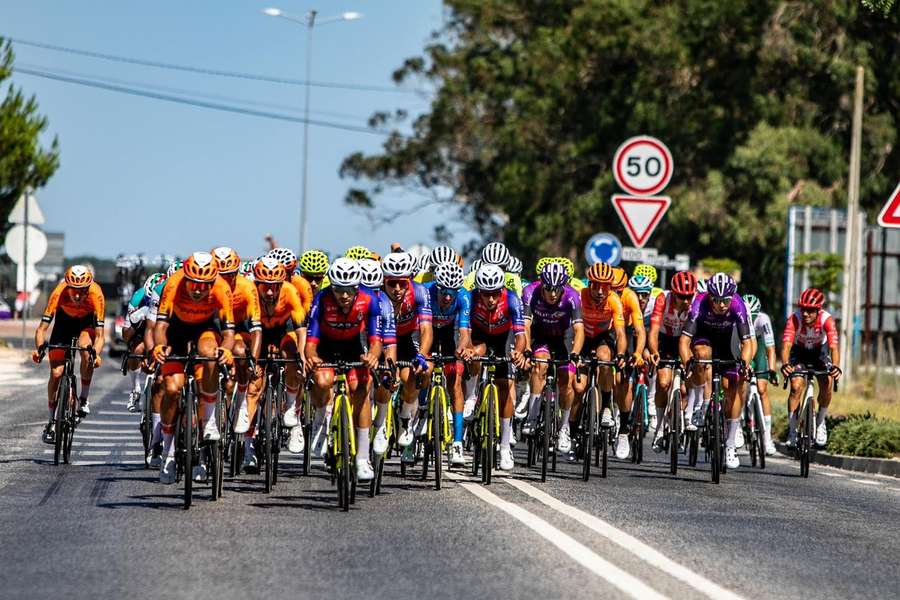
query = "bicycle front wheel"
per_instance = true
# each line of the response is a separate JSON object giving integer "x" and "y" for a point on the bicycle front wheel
{"x": 547, "y": 425}
{"x": 674, "y": 431}
{"x": 588, "y": 431}
{"x": 268, "y": 432}
{"x": 437, "y": 433}
{"x": 715, "y": 455}
{"x": 188, "y": 440}
{"x": 760, "y": 432}
{"x": 344, "y": 461}
{"x": 489, "y": 439}
{"x": 62, "y": 398}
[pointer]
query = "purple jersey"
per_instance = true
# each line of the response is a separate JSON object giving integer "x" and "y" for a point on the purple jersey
{"x": 528, "y": 291}
{"x": 702, "y": 322}
{"x": 553, "y": 320}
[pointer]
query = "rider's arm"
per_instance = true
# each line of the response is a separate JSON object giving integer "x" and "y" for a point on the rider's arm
{"x": 222, "y": 293}
{"x": 659, "y": 307}
{"x": 40, "y": 334}
{"x": 464, "y": 321}
{"x": 787, "y": 339}
{"x": 49, "y": 313}
{"x": 423, "y": 316}
{"x": 578, "y": 337}
{"x": 95, "y": 294}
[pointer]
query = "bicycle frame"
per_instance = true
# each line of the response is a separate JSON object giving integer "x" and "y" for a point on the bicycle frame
{"x": 548, "y": 420}
{"x": 674, "y": 421}
{"x": 754, "y": 421}
{"x": 66, "y": 419}
{"x": 806, "y": 421}
{"x": 487, "y": 416}
{"x": 714, "y": 430}
{"x": 342, "y": 434}
{"x": 590, "y": 420}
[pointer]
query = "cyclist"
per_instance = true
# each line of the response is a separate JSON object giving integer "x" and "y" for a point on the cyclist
{"x": 496, "y": 312}
{"x": 707, "y": 335}
{"x": 604, "y": 330}
{"x": 339, "y": 315}
{"x": 637, "y": 337}
{"x": 358, "y": 252}
{"x": 549, "y": 313}
{"x": 372, "y": 279}
{"x": 642, "y": 286}
{"x": 134, "y": 331}
{"x": 451, "y": 307}
{"x": 282, "y": 335}
{"x": 78, "y": 305}
{"x": 670, "y": 311}
{"x": 313, "y": 265}
{"x": 289, "y": 260}
{"x": 412, "y": 314}
{"x": 648, "y": 271}
{"x": 195, "y": 308}
{"x": 810, "y": 339}
{"x": 763, "y": 361}
{"x": 575, "y": 283}
{"x": 439, "y": 255}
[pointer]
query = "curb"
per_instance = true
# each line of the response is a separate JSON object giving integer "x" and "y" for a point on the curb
{"x": 878, "y": 466}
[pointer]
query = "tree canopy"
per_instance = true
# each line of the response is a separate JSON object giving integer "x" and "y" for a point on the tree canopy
{"x": 532, "y": 98}
{"x": 24, "y": 162}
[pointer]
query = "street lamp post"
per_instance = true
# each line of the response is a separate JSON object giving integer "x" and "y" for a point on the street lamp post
{"x": 310, "y": 22}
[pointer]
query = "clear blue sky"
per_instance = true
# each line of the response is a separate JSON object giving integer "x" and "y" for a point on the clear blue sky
{"x": 145, "y": 175}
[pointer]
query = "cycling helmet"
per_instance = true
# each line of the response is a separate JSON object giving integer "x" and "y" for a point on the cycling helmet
{"x": 227, "y": 260}
{"x": 246, "y": 268}
{"x": 541, "y": 263}
{"x": 641, "y": 284}
{"x": 269, "y": 269}
{"x": 370, "y": 273}
{"x": 567, "y": 264}
{"x": 721, "y": 285}
{"x": 399, "y": 265}
{"x": 79, "y": 276}
{"x": 476, "y": 264}
{"x": 175, "y": 265}
{"x": 358, "y": 252}
{"x": 554, "y": 275}
{"x": 648, "y": 271}
{"x": 439, "y": 255}
{"x": 344, "y": 272}
{"x": 495, "y": 253}
{"x": 152, "y": 282}
{"x": 600, "y": 273}
{"x": 620, "y": 279}
{"x": 201, "y": 267}
{"x": 514, "y": 266}
{"x": 490, "y": 278}
{"x": 701, "y": 286}
{"x": 684, "y": 283}
{"x": 754, "y": 306}
{"x": 449, "y": 275}
{"x": 314, "y": 262}
{"x": 812, "y": 298}
{"x": 286, "y": 257}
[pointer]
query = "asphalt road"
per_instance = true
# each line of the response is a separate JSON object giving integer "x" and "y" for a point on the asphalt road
{"x": 104, "y": 527}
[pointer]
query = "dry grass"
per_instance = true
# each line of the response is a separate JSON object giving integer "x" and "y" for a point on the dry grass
{"x": 860, "y": 398}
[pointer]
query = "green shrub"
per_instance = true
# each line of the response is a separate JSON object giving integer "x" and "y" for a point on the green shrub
{"x": 865, "y": 435}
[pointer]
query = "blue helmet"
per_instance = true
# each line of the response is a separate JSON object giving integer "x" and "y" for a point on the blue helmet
{"x": 641, "y": 284}
{"x": 721, "y": 285}
{"x": 554, "y": 275}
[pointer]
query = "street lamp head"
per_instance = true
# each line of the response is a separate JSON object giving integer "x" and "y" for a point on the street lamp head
{"x": 351, "y": 16}
{"x": 272, "y": 12}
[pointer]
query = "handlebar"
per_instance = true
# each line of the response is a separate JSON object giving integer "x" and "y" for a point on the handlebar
{"x": 808, "y": 374}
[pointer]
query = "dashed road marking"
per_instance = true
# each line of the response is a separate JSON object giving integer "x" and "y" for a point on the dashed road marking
{"x": 866, "y": 481}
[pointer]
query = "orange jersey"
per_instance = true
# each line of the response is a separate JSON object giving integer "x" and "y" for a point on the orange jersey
{"x": 304, "y": 290}
{"x": 600, "y": 317}
{"x": 92, "y": 303}
{"x": 245, "y": 302}
{"x": 176, "y": 301}
{"x": 288, "y": 306}
{"x": 631, "y": 308}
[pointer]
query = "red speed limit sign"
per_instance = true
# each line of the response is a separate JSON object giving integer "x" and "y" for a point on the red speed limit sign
{"x": 642, "y": 166}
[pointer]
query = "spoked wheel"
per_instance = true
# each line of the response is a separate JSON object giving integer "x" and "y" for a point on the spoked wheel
{"x": 306, "y": 423}
{"x": 715, "y": 456}
{"x": 674, "y": 432}
{"x": 188, "y": 440}
{"x": 760, "y": 433}
{"x": 603, "y": 451}
{"x": 344, "y": 471}
{"x": 59, "y": 441}
{"x": 217, "y": 454}
{"x": 489, "y": 441}
{"x": 437, "y": 436}
{"x": 588, "y": 433}
{"x": 237, "y": 454}
{"x": 378, "y": 467}
{"x": 805, "y": 445}
{"x": 637, "y": 449}
{"x": 545, "y": 431}
{"x": 146, "y": 433}
{"x": 268, "y": 434}
{"x": 693, "y": 447}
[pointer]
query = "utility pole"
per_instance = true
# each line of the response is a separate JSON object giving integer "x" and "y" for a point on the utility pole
{"x": 851, "y": 251}
{"x": 24, "y": 266}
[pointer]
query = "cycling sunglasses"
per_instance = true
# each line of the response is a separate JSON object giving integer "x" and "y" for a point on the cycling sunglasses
{"x": 684, "y": 297}
{"x": 266, "y": 286}
{"x": 198, "y": 285}
{"x": 491, "y": 293}
{"x": 346, "y": 290}
{"x": 314, "y": 278}
{"x": 600, "y": 287}
{"x": 397, "y": 283}
{"x": 445, "y": 291}
{"x": 723, "y": 300}
{"x": 552, "y": 289}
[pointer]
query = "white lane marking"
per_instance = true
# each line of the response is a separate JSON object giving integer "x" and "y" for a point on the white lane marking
{"x": 119, "y": 412}
{"x": 118, "y": 403}
{"x": 866, "y": 481}
{"x": 110, "y": 452}
{"x": 628, "y": 542}
{"x": 97, "y": 463}
{"x": 91, "y": 422}
{"x": 107, "y": 445}
{"x": 106, "y": 431}
{"x": 830, "y": 474}
{"x": 577, "y": 551}
{"x": 112, "y": 438}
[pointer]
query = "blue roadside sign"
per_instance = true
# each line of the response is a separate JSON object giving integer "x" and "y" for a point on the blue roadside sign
{"x": 603, "y": 247}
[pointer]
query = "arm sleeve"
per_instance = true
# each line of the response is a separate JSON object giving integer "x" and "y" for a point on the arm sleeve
{"x": 167, "y": 298}
{"x": 690, "y": 325}
{"x": 373, "y": 321}
{"x": 96, "y": 295}
{"x": 53, "y": 302}
{"x": 576, "y": 309}
{"x": 464, "y": 316}
{"x": 618, "y": 313}
{"x": 223, "y": 296}
{"x": 765, "y": 329}
{"x": 790, "y": 330}
{"x": 313, "y": 330}
{"x": 517, "y": 321}
{"x": 388, "y": 326}
{"x": 658, "y": 308}
{"x": 423, "y": 303}
{"x": 253, "y": 311}
{"x": 831, "y": 334}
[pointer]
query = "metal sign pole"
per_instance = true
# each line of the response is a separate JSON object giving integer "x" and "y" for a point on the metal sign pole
{"x": 25, "y": 270}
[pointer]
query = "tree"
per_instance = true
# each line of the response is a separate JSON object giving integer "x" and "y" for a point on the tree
{"x": 532, "y": 99}
{"x": 24, "y": 162}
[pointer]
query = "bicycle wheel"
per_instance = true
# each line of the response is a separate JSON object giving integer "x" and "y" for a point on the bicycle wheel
{"x": 307, "y": 430}
{"x": 588, "y": 432}
{"x": 760, "y": 432}
{"x": 340, "y": 403}
{"x": 146, "y": 426}
{"x": 437, "y": 433}
{"x": 546, "y": 426}
{"x": 188, "y": 442}
{"x": 641, "y": 404}
{"x": 62, "y": 395}
{"x": 489, "y": 439}
{"x": 749, "y": 434}
{"x": 216, "y": 452}
{"x": 809, "y": 429}
{"x": 715, "y": 440}
{"x": 693, "y": 446}
{"x": 268, "y": 433}
{"x": 674, "y": 431}
{"x": 554, "y": 431}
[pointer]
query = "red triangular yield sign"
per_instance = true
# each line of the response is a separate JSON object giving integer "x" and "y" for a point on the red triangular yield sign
{"x": 890, "y": 214}
{"x": 640, "y": 215}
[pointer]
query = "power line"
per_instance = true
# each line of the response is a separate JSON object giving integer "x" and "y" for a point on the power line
{"x": 196, "y": 103}
{"x": 216, "y": 72}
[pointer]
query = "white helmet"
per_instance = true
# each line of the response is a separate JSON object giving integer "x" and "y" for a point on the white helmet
{"x": 490, "y": 278}
{"x": 439, "y": 255}
{"x": 370, "y": 270}
{"x": 449, "y": 275}
{"x": 476, "y": 264}
{"x": 398, "y": 264}
{"x": 344, "y": 272}
{"x": 514, "y": 266}
{"x": 495, "y": 253}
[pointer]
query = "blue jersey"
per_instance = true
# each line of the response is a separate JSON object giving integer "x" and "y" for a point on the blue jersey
{"x": 387, "y": 326}
{"x": 458, "y": 314}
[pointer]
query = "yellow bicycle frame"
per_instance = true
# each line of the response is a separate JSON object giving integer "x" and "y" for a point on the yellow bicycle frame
{"x": 342, "y": 403}
{"x": 439, "y": 394}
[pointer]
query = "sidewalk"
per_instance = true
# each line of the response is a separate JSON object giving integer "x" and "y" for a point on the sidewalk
{"x": 16, "y": 368}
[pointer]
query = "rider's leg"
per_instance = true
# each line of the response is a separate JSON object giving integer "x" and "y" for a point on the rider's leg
{"x": 663, "y": 384}
{"x": 172, "y": 384}
{"x": 733, "y": 408}
{"x": 824, "y": 399}
{"x": 798, "y": 385}
{"x": 87, "y": 366}
{"x": 207, "y": 347}
{"x": 566, "y": 395}
{"x": 360, "y": 391}
{"x": 57, "y": 368}
{"x": 536, "y": 383}
{"x": 454, "y": 384}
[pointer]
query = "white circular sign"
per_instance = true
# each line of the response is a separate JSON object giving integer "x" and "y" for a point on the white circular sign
{"x": 642, "y": 166}
{"x": 37, "y": 244}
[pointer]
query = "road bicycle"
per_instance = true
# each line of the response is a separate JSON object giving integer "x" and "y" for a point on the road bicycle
{"x": 754, "y": 424}
{"x": 806, "y": 415}
{"x": 65, "y": 415}
{"x": 714, "y": 424}
{"x": 341, "y": 454}
{"x": 592, "y": 441}
{"x": 674, "y": 415}
{"x": 439, "y": 434}
{"x": 640, "y": 419}
{"x": 145, "y": 426}
{"x": 542, "y": 441}
{"x": 484, "y": 428}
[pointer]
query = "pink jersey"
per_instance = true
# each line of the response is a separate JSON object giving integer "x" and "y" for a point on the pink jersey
{"x": 665, "y": 315}
{"x": 822, "y": 332}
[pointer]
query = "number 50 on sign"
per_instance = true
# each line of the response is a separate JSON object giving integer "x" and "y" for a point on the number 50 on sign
{"x": 642, "y": 166}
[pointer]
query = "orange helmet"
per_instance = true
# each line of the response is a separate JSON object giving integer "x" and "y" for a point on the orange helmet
{"x": 201, "y": 267}
{"x": 269, "y": 270}
{"x": 79, "y": 276}
{"x": 620, "y": 279}
{"x": 227, "y": 260}
{"x": 600, "y": 273}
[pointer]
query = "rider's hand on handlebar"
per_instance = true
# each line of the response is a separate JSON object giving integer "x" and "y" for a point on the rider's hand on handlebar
{"x": 620, "y": 361}
{"x": 651, "y": 357}
{"x": 520, "y": 359}
{"x": 37, "y": 355}
{"x": 160, "y": 353}
{"x": 420, "y": 363}
{"x": 370, "y": 361}
{"x": 575, "y": 358}
{"x": 224, "y": 357}
{"x": 835, "y": 372}
{"x": 773, "y": 377}
{"x": 637, "y": 360}
{"x": 97, "y": 361}
{"x": 312, "y": 362}
{"x": 466, "y": 353}
{"x": 787, "y": 369}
